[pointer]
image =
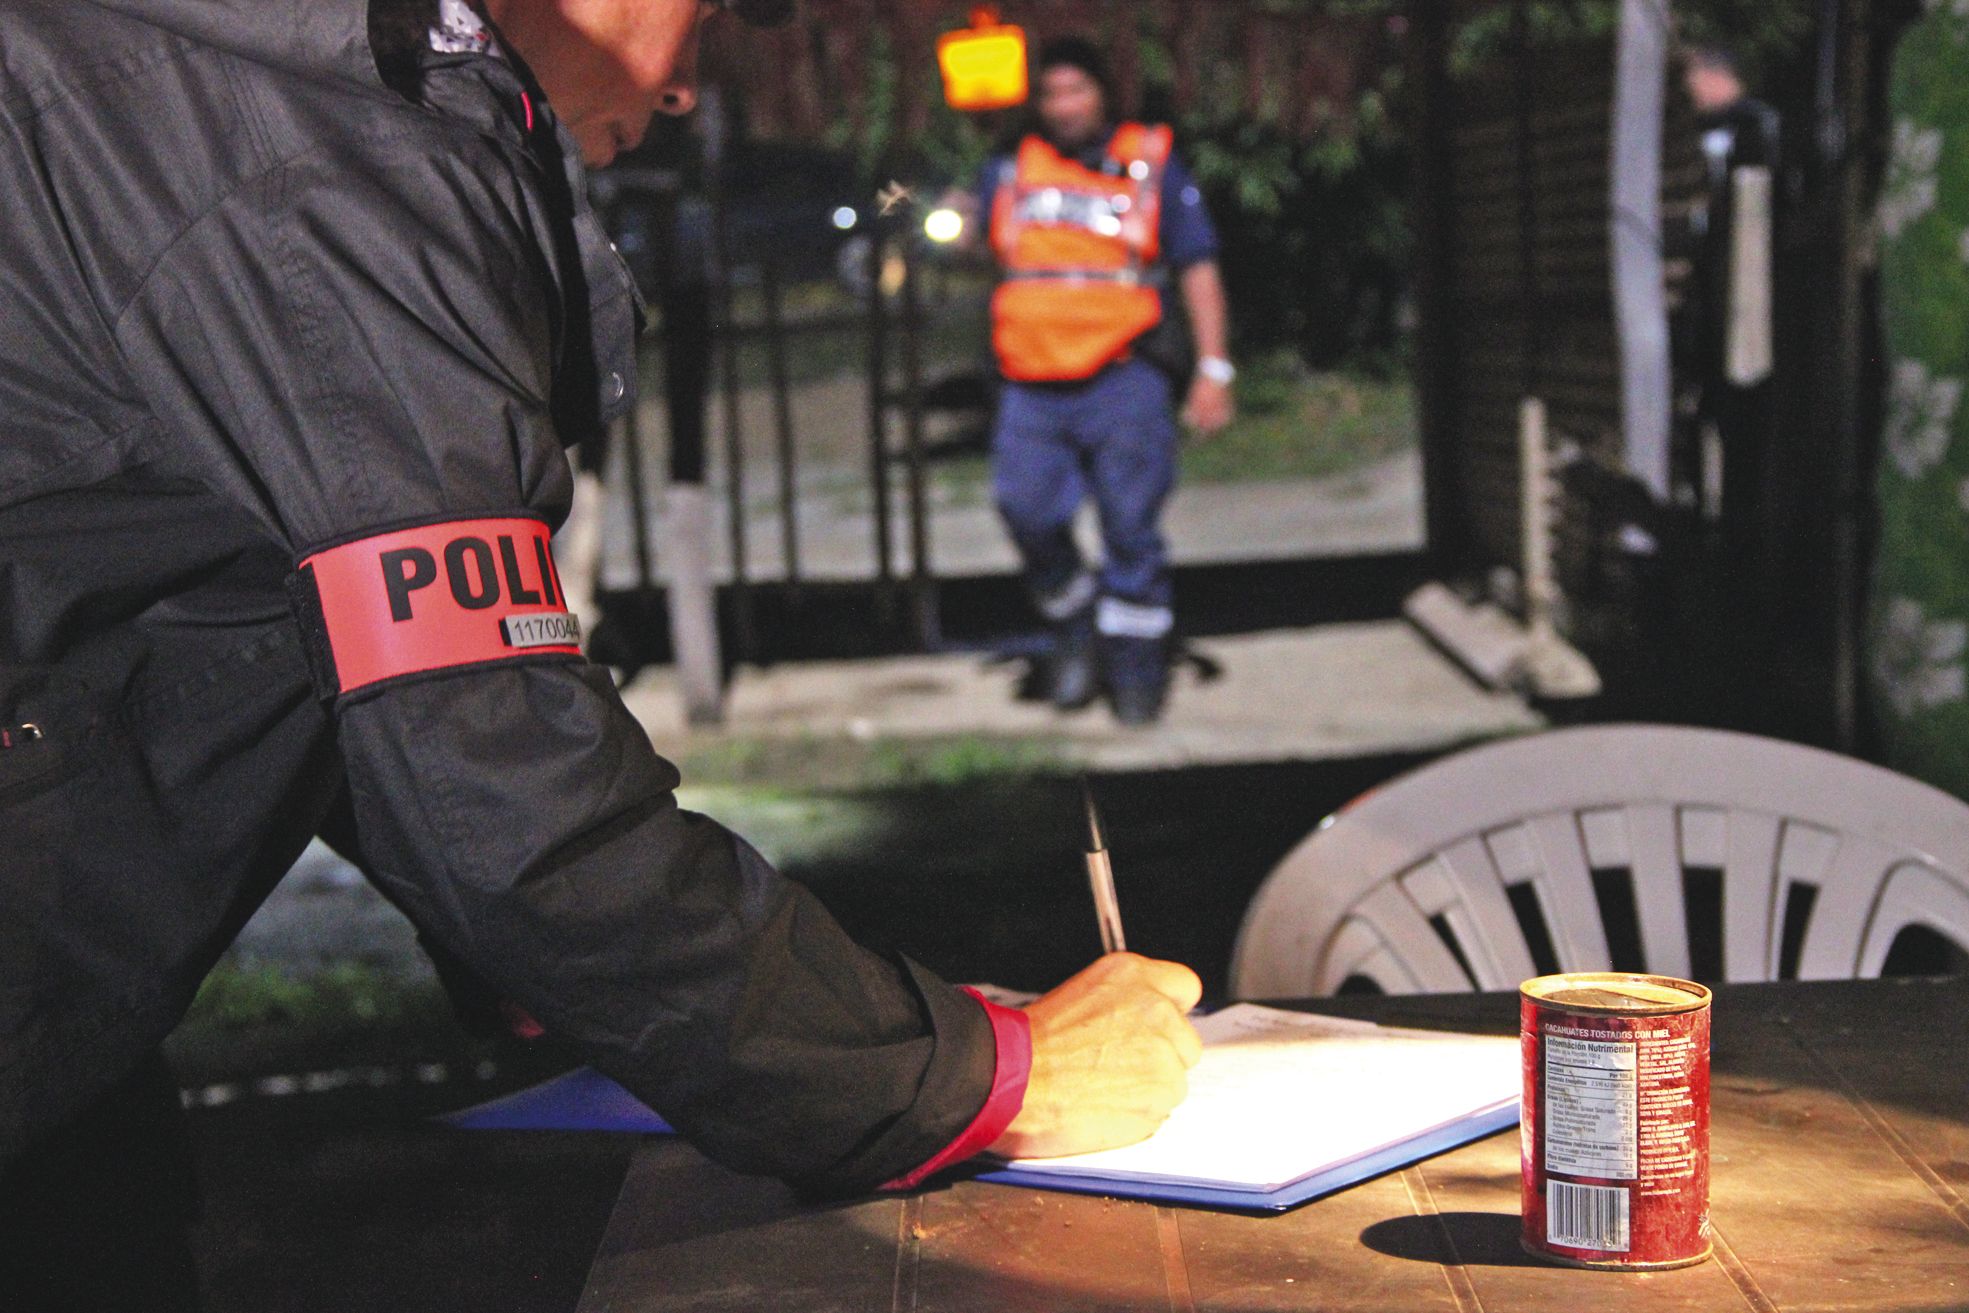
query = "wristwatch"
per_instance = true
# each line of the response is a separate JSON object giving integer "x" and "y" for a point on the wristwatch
{"x": 1216, "y": 369}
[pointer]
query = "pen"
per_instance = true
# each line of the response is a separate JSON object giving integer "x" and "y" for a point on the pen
{"x": 1100, "y": 877}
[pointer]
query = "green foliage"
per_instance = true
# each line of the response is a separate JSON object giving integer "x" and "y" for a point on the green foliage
{"x": 1486, "y": 39}
{"x": 952, "y": 151}
{"x": 1762, "y": 34}
{"x": 1316, "y": 233}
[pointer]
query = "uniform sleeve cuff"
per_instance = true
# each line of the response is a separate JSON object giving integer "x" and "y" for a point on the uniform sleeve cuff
{"x": 1011, "y": 1032}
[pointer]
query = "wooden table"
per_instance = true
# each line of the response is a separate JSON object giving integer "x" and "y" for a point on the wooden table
{"x": 1840, "y": 1160}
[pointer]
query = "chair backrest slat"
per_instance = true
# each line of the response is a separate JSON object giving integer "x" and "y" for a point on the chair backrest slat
{"x": 1705, "y": 836}
{"x": 1408, "y": 934}
{"x": 1565, "y": 894}
{"x": 1482, "y": 917}
{"x": 1844, "y": 905}
{"x": 1656, "y": 852}
{"x": 1750, "y": 898}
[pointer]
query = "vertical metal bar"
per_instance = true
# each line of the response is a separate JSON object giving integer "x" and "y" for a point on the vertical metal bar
{"x": 717, "y": 134}
{"x": 878, "y": 411}
{"x": 734, "y": 438}
{"x": 1530, "y": 331}
{"x": 1852, "y": 485}
{"x": 691, "y": 597}
{"x": 629, "y": 431}
{"x": 923, "y": 586}
{"x": 1444, "y": 503}
{"x": 1535, "y": 523}
{"x": 789, "y": 506}
{"x": 912, "y": 110}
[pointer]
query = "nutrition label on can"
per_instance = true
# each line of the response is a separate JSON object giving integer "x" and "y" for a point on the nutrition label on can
{"x": 1668, "y": 1111}
{"x": 1591, "y": 1125}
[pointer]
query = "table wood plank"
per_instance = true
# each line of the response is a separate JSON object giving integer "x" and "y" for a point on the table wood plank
{"x": 687, "y": 1234}
{"x": 1314, "y": 1256}
{"x": 986, "y": 1248}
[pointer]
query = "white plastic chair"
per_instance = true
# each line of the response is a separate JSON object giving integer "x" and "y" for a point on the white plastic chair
{"x": 1445, "y": 878}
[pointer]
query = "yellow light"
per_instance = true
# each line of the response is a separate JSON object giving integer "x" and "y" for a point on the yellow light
{"x": 984, "y": 65}
{"x": 943, "y": 225}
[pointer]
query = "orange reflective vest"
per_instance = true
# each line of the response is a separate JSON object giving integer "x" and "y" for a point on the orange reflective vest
{"x": 1077, "y": 247}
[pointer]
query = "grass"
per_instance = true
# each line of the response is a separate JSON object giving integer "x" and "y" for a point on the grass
{"x": 838, "y": 765}
{"x": 239, "y": 995}
{"x": 1295, "y": 423}
{"x": 251, "y": 1019}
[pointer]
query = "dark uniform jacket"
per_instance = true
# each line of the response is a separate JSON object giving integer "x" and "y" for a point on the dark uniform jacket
{"x": 257, "y": 297}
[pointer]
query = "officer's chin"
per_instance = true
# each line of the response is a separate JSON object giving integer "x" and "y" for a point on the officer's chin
{"x": 600, "y": 143}
{"x": 1079, "y": 138}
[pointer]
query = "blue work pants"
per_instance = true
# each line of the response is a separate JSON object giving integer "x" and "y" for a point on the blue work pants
{"x": 1112, "y": 437}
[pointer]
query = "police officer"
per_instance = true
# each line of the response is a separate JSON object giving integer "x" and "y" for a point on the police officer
{"x": 1727, "y": 327}
{"x": 1089, "y": 222}
{"x": 303, "y": 300}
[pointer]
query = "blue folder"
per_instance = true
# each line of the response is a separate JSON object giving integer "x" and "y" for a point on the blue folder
{"x": 586, "y": 1100}
{"x": 1290, "y": 1195}
{"x": 582, "y": 1100}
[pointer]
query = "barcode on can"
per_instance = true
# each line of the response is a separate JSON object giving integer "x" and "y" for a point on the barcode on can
{"x": 1586, "y": 1216}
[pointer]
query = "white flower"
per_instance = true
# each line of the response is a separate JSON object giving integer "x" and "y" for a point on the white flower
{"x": 1920, "y": 412}
{"x": 1958, "y": 14}
{"x": 1910, "y": 189}
{"x": 1918, "y": 662}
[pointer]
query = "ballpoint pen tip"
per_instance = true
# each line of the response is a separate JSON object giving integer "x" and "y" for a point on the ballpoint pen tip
{"x": 1095, "y": 843}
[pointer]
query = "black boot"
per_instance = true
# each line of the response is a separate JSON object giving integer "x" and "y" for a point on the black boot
{"x": 1072, "y": 670}
{"x": 1137, "y": 676}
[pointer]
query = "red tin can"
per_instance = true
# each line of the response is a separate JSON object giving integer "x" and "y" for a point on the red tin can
{"x": 1614, "y": 1132}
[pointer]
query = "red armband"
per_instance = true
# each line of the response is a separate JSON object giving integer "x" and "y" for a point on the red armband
{"x": 1011, "y": 1032}
{"x": 434, "y": 597}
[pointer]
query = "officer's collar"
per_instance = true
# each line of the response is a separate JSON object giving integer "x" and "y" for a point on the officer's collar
{"x": 458, "y": 30}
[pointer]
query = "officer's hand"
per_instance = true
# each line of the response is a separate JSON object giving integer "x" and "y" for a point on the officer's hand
{"x": 1111, "y": 1053}
{"x": 1210, "y": 407}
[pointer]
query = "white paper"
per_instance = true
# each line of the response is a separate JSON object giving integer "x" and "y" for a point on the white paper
{"x": 1278, "y": 1096}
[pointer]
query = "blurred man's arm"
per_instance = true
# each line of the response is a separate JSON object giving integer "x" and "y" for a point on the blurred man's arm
{"x": 1210, "y": 406}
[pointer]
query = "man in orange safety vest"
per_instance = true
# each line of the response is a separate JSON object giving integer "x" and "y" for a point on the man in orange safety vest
{"x": 1090, "y": 223}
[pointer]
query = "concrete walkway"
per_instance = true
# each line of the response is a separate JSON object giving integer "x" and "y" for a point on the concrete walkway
{"x": 1374, "y": 510}
{"x": 1292, "y": 695}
